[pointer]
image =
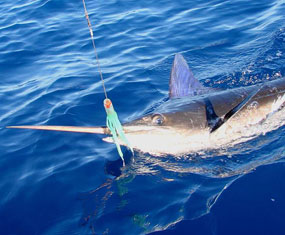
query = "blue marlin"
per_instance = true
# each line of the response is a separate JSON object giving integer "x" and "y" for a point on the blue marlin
{"x": 197, "y": 118}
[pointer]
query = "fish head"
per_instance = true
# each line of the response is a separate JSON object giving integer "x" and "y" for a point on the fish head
{"x": 160, "y": 133}
{"x": 149, "y": 133}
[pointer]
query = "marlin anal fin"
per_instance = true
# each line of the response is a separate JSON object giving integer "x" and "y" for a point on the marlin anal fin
{"x": 93, "y": 130}
{"x": 182, "y": 81}
{"x": 216, "y": 122}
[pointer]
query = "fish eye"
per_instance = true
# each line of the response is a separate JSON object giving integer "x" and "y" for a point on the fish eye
{"x": 157, "y": 119}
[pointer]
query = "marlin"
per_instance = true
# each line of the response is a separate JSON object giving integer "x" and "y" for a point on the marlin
{"x": 197, "y": 118}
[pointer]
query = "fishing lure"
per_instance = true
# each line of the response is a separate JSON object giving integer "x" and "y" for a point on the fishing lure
{"x": 112, "y": 121}
{"x": 116, "y": 128}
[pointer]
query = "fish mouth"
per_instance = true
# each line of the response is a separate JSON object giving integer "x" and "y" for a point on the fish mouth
{"x": 130, "y": 130}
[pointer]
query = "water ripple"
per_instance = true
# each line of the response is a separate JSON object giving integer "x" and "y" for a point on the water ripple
{"x": 49, "y": 76}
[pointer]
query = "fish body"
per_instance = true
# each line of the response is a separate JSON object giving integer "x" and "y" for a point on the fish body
{"x": 198, "y": 118}
{"x": 184, "y": 125}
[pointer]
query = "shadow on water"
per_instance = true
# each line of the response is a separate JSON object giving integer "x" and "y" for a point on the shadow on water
{"x": 153, "y": 193}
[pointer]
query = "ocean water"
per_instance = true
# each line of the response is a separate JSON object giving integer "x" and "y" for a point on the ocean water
{"x": 72, "y": 183}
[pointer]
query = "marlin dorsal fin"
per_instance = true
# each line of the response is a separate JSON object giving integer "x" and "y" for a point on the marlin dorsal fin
{"x": 182, "y": 81}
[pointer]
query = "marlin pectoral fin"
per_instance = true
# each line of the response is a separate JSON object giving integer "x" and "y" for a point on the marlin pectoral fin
{"x": 182, "y": 81}
{"x": 93, "y": 130}
{"x": 220, "y": 121}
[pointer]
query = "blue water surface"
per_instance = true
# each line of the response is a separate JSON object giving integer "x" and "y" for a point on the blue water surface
{"x": 72, "y": 183}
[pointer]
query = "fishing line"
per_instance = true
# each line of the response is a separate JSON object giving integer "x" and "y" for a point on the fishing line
{"x": 112, "y": 121}
{"x": 94, "y": 47}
